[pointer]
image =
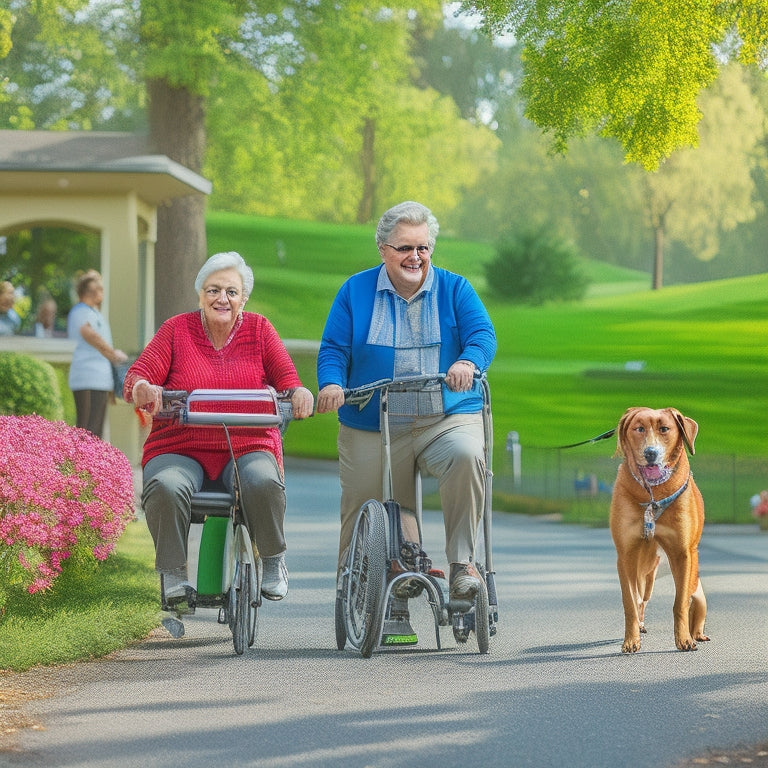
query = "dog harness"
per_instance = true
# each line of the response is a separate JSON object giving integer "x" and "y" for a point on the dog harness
{"x": 654, "y": 509}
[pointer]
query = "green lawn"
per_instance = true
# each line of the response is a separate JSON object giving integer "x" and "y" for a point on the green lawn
{"x": 87, "y": 614}
{"x": 559, "y": 375}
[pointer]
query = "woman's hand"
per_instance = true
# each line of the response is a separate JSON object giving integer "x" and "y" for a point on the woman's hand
{"x": 460, "y": 376}
{"x": 330, "y": 398}
{"x": 147, "y": 397}
{"x": 302, "y": 403}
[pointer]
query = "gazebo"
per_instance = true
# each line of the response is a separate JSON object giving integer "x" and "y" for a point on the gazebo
{"x": 105, "y": 183}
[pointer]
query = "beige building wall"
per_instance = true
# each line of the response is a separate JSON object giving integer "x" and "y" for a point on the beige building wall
{"x": 127, "y": 227}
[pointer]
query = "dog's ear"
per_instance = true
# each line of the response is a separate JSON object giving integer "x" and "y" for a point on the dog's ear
{"x": 621, "y": 430}
{"x": 688, "y": 429}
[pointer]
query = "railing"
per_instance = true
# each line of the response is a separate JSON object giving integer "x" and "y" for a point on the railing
{"x": 584, "y": 477}
{"x": 56, "y": 350}
{"x": 59, "y": 350}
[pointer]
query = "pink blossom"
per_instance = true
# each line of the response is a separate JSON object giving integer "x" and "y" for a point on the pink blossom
{"x": 61, "y": 489}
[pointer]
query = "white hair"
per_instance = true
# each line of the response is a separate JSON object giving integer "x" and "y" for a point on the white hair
{"x": 226, "y": 260}
{"x": 408, "y": 212}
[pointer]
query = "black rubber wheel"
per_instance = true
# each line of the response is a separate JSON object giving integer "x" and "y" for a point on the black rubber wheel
{"x": 482, "y": 619}
{"x": 242, "y": 609}
{"x": 253, "y": 604}
{"x": 341, "y": 627}
{"x": 364, "y": 590}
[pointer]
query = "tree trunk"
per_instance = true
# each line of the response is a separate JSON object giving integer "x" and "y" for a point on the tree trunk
{"x": 658, "y": 256}
{"x": 177, "y": 130}
{"x": 368, "y": 167}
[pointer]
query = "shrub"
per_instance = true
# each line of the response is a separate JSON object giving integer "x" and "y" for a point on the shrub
{"x": 29, "y": 385}
{"x": 63, "y": 493}
{"x": 534, "y": 267}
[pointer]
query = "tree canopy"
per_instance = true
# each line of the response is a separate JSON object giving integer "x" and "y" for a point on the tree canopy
{"x": 334, "y": 109}
{"x": 629, "y": 69}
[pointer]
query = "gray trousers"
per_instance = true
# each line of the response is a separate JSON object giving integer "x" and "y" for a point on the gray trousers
{"x": 171, "y": 479}
{"x": 91, "y": 409}
{"x": 452, "y": 450}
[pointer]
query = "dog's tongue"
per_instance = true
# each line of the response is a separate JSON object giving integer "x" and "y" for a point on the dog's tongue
{"x": 652, "y": 472}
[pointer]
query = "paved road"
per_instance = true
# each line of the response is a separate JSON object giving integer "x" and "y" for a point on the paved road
{"x": 555, "y": 689}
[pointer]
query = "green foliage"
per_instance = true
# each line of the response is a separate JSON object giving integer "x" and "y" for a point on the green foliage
{"x": 697, "y": 195}
{"x": 185, "y": 49}
{"x": 6, "y": 24}
{"x": 44, "y": 261}
{"x": 534, "y": 267}
{"x": 333, "y": 111}
{"x": 89, "y": 55}
{"x": 27, "y": 386}
{"x": 630, "y": 70}
{"x": 344, "y": 133}
{"x": 67, "y": 398}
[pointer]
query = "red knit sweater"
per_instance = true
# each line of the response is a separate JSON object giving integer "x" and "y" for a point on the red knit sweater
{"x": 180, "y": 356}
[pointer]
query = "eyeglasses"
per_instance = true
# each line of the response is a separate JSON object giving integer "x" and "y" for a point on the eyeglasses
{"x": 212, "y": 293}
{"x": 422, "y": 250}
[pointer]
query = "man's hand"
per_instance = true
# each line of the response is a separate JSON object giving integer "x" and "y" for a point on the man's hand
{"x": 460, "y": 376}
{"x": 330, "y": 398}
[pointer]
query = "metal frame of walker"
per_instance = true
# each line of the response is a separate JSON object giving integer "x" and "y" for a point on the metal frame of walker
{"x": 240, "y": 596}
{"x": 479, "y": 615}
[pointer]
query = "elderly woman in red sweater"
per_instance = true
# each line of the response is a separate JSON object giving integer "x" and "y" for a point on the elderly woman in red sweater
{"x": 217, "y": 347}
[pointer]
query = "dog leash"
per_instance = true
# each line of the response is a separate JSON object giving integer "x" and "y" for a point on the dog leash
{"x": 654, "y": 510}
{"x": 604, "y": 436}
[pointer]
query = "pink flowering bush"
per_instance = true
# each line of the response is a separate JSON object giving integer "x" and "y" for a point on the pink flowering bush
{"x": 63, "y": 493}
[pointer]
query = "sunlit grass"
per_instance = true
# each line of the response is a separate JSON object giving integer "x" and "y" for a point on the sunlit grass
{"x": 560, "y": 371}
{"x": 87, "y": 614}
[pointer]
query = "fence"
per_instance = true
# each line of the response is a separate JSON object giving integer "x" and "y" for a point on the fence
{"x": 584, "y": 477}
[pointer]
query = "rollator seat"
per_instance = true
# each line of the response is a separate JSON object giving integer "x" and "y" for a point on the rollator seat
{"x": 212, "y": 500}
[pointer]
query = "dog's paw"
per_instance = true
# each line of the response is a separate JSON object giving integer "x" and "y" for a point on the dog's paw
{"x": 631, "y": 645}
{"x": 701, "y": 637}
{"x": 686, "y": 644}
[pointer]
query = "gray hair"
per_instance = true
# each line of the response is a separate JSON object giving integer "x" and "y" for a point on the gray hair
{"x": 408, "y": 213}
{"x": 226, "y": 260}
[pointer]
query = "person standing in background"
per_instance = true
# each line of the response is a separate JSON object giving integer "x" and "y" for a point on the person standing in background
{"x": 45, "y": 324}
{"x": 90, "y": 374}
{"x": 9, "y": 319}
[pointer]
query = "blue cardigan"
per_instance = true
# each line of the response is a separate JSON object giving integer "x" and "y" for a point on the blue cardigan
{"x": 346, "y": 359}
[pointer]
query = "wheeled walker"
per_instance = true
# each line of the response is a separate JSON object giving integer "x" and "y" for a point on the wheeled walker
{"x": 381, "y": 568}
{"x": 229, "y": 572}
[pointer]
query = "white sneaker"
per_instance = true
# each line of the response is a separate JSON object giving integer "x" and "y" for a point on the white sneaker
{"x": 274, "y": 582}
{"x": 176, "y": 591}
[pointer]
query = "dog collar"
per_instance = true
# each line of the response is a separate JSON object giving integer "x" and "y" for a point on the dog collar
{"x": 654, "y": 509}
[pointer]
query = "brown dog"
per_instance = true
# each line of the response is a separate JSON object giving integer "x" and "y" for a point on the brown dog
{"x": 656, "y": 504}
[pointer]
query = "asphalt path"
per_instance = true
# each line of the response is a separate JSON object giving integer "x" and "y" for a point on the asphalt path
{"x": 555, "y": 689}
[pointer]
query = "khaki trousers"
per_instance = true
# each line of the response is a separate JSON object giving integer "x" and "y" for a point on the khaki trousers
{"x": 452, "y": 450}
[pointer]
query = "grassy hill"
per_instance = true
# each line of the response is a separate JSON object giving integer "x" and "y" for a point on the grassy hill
{"x": 561, "y": 371}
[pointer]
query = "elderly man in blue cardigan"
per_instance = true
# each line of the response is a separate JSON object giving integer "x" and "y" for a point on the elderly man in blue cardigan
{"x": 408, "y": 317}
